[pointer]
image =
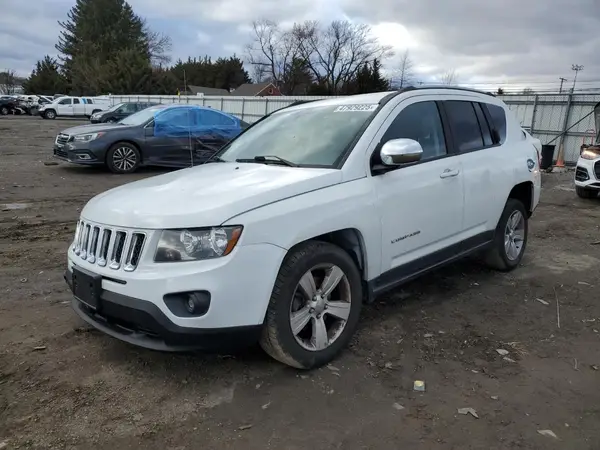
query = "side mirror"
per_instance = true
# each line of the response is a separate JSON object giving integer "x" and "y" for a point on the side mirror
{"x": 396, "y": 152}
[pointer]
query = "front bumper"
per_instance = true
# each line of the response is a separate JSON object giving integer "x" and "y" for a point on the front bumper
{"x": 79, "y": 153}
{"x": 587, "y": 173}
{"x": 132, "y": 306}
{"x": 142, "y": 323}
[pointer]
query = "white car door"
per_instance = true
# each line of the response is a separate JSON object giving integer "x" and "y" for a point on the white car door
{"x": 483, "y": 155}
{"x": 64, "y": 107}
{"x": 421, "y": 204}
{"x": 78, "y": 107}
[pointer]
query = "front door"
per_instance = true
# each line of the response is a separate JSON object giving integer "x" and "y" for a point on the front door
{"x": 421, "y": 204}
{"x": 65, "y": 107}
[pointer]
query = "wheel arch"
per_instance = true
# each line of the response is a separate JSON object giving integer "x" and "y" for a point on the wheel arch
{"x": 524, "y": 193}
{"x": 125, "y": 141}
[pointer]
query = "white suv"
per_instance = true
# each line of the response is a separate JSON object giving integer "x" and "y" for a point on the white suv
{"x": 587, "y": 172}
{"x": 310, "y": 212}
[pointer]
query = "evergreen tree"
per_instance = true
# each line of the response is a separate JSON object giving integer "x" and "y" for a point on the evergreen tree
{"x": 46, "y": 79}
{"x": 224, "y": 73}
{"x": 95, "y": 33}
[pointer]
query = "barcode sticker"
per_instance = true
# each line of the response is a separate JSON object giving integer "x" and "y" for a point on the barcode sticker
{"x": 356, "y": 108}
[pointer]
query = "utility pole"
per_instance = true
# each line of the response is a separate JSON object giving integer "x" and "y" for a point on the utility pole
{"x": 576, "y": 68}
{"x": 562, "y": 80}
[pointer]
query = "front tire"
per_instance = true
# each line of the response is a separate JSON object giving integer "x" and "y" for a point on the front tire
{"x": 586, "y": 193}
{"x": 4, "y": 111}
{"x": 314, "y": 307}
{"x": 122, "y": 158}
{"x": 510, "y": 238}
{"x": 50, "y": 114}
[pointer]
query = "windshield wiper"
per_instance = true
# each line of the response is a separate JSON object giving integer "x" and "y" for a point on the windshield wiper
{"x": 268, "y": 159}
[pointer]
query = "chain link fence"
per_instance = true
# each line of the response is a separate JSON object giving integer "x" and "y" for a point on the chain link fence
{"x": 552, "y": 118}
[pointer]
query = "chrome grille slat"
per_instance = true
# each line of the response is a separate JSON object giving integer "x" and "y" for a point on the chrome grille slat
{"x": 118, "y": 249}
{"x": 93, "y": 244}
{"x": 134, "y": 251}
{"x": 84, "y": 241}
{"x": 108, "y": 246}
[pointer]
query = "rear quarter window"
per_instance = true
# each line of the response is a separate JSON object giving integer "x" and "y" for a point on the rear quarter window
{"x": 498, "y": 119}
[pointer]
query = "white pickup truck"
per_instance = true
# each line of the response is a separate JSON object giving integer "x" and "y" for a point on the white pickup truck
{"x": 73, "y": 107}
{"x": 310, "y": 212}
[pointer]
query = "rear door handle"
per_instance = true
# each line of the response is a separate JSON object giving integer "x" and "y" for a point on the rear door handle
{"x": 449, "y": 173}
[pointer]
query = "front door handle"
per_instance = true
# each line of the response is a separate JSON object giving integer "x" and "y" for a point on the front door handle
{"x": 449, "y": 173}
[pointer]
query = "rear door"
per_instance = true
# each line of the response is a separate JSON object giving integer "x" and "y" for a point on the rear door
{"x": 78, "y": 107}
{"x": 211, "y": 131}
{"x": 169, "y": 139}
{"x": 482, "y": 153}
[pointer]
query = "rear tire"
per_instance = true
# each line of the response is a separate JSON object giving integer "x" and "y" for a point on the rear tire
{"x": 308, "y": 324}
{"x": 510, "y": 238}
{"x": 122, "y": 158}
{"x": 586, "y": 193}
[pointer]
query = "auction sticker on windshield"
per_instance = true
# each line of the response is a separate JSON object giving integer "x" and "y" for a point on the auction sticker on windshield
{"x": 355, "y": 108}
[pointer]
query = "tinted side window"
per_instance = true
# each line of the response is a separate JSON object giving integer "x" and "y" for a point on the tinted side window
{"x": 66, "y": 101}
{"x": 465, "y": 126}
{"x": 214, "y": 118}
{"x": 421, "y": 122}
{"x": 498, "y": 116}
{"x": 483, "y": 124}
{"x": 76, "y": 101}
{"x": 88, "y": 100}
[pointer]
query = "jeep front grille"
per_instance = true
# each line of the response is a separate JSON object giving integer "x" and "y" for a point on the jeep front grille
{"x": 597, "y": 170}
{"x": 108, "y": 246}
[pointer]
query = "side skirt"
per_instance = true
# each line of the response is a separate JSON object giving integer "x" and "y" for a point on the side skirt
{"x": 414, "y": 269}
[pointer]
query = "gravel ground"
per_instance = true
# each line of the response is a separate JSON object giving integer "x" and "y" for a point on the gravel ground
{"x": 66, "y": 386}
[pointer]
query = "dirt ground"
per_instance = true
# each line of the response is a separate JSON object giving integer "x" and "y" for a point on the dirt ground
{"x": 66, "y": 386}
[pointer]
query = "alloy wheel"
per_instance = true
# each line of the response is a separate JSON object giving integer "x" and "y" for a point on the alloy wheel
{"x": 320, "y": 307}
{"x": 514, "y": 235}
{"x": 124, "y": 159}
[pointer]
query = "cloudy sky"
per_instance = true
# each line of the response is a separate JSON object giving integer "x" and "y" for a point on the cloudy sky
{"x": 519, "y": 42}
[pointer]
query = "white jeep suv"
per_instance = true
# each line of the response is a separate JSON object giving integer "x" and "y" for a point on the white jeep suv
{"x": 310, "y": 212}
{"x": 587, "y": 172}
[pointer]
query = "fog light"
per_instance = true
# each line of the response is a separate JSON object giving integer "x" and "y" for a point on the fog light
{"x": 191, "y": 306}
{"x": 84, "y": 156}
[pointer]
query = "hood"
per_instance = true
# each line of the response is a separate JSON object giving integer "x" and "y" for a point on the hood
{"x": 202, "y": 196}
{"x": 93, "y": 128}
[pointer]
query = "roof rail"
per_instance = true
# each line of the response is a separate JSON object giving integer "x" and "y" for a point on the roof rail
{"x": 457, "y": 88}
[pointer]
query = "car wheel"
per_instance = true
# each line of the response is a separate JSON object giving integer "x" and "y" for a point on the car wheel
{"x": 314, "y": 307}
{"x": 4, "y": 111}
{"x": 50, "y": 114}
{"x": 510, "y": 239}
{"x": 111, "y": 120}
{"x": 586, "y": 193}
{"x": 123, "y": 158}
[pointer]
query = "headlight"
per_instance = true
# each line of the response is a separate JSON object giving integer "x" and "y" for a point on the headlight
{"x": 87, "y": 137}
{"x": 196, "y": 244}
{"x": 588, "y": 154}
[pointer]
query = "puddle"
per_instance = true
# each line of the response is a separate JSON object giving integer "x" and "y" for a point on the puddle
{"x": 14, "y": 206}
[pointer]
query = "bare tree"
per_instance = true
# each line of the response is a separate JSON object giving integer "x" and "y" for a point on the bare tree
{"x": 159, "y": 45}
{"x": 272, "y": 52}
{"x": 8, "y": 82}
{"x": 449, "y": 77}
{"x": 404, "y": 74}
{"x": 334, "y": 54}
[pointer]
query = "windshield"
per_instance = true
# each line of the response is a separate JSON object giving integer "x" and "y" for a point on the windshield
{"x": 311, "y": 136}
{"x": 141, "y": 117}
{"x": 114, "y": 107}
